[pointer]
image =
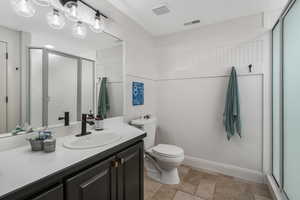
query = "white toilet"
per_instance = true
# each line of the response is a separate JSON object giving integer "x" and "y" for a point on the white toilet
{"x": 162, "y": 160}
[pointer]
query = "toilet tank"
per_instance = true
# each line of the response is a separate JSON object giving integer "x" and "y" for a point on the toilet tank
{"x": 149, "y": 126}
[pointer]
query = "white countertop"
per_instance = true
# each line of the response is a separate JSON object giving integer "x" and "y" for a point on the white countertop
{"x": 20, "y": 166}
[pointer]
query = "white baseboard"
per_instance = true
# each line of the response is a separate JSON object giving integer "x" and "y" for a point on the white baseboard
{"x": 230, "y": 170}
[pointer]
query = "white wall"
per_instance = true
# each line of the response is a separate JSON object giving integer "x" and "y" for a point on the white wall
{"x": 12, "y": 38}
{"x": 110, "y": 64}
{"x": 194, "y": 68}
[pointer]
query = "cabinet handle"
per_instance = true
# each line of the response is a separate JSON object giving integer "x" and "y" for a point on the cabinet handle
{"x": 115, "y": 164}
{"x": 122, "y": 161}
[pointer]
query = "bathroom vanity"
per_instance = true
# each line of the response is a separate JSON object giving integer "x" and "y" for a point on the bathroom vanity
{"x": 111, "y": 172}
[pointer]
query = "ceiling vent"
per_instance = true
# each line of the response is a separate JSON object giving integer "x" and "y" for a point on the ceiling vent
{"x": 192, "y": 22}
{"x": 161, "y": 10}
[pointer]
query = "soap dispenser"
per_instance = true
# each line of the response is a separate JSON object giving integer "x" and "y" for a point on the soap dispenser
{"x": 99, "y": 123}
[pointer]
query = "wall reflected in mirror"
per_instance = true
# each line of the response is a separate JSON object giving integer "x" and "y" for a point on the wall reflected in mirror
{"x": 46, "y": 72}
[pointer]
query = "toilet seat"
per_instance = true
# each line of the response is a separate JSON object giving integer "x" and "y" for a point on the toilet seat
{"x": 169, "y": 151}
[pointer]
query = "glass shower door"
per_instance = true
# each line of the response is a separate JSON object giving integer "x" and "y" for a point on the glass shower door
{"x": 291, "y": 102}
{"x": 62, "y": 87}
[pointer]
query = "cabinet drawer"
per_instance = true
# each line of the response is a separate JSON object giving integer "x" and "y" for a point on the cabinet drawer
{"x": 52, "y": 194}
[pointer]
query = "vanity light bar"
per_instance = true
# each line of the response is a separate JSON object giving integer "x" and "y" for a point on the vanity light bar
{"x": 64, "y": 2}
{"x": 56, "y": 18}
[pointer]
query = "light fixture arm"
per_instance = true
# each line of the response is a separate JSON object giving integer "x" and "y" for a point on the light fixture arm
{"x": 98, "y": 13}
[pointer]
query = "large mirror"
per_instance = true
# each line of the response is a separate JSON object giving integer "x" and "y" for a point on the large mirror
{"x": 45, "y": 72}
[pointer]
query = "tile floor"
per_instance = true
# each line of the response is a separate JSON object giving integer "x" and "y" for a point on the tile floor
{"x": 201, "y": 185}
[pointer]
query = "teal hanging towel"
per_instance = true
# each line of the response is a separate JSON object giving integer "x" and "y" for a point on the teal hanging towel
{"x": 231, "y": 116}
{"x": 103, "y": 101}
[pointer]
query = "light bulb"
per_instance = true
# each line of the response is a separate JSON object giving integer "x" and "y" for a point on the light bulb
{"x": 97, "y": 25}
{"x": 71, "y": 11}
{"x": 42, "y": 2}
{"x": 23, "y": 8}
{"x": 55, "y": 19}
{"x": 49, "y": 46}
{"x": 79, "y": 30}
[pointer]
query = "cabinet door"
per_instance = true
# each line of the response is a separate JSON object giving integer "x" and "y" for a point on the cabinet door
{"x": 53, "y": 194}
{"x": 95, "y": 183}
{"x": 131, "y": 173}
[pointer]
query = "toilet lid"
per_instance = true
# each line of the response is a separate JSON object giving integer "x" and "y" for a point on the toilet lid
{"x": 168, "y": 150}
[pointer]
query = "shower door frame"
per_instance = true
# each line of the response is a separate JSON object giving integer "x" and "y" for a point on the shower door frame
{"x": 6, "y": 87}
{"x": 280, "y": 22}
{"x": 278, "y": 182}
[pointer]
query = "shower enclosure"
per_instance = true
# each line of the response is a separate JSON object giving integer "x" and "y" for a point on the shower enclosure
{"x": 59, "y": 82}
{"x": 286, "y": 106}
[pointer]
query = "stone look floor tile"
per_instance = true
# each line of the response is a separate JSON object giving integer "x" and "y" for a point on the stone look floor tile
{"x": 203, "y": 185}
{"x": 164, "y": 193}
{"x": 223, "y": 197}
{"x": 224, "y": 179}
{"x": 183, "y": 171}
{"x": 193, "y": 177}
{"x": 184, "y": 187}
{"x": 229, "y": 187}
{"x": 260, "y": 190}
{"x": 206, "y": 189}
{"x": 245, "y": 196}
{"x": 185, "y": 196}
{"x": 150, "y": 188}
{"x": 257, "y": 197}
{"x": 242, "y": 196}
{"x": 210, "y": 177}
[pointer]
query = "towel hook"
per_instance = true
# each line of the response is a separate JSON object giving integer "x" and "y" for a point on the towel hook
{"x": 250, "y": 67}
{"x": 99, "y": 80}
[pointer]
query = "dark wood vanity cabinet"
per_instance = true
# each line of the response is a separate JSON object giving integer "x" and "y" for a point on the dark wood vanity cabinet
{"x": 117, "y": 174}
{"x": 120, "y": 177}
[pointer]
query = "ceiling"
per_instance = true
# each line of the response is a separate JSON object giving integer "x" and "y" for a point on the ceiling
{"x": 182, "y": 11}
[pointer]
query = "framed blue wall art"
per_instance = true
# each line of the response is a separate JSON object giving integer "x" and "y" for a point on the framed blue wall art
{"x": 137, "y": 93}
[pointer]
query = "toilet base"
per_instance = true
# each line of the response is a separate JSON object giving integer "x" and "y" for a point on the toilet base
{"x": 169, "y": 177}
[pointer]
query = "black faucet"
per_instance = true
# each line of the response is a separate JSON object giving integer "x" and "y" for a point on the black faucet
{"x": 84, "y": 121}
{"x": 66, "y": 118}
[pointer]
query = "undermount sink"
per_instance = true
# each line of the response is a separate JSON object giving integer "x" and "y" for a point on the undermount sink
{"x": 95, "y": 139}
